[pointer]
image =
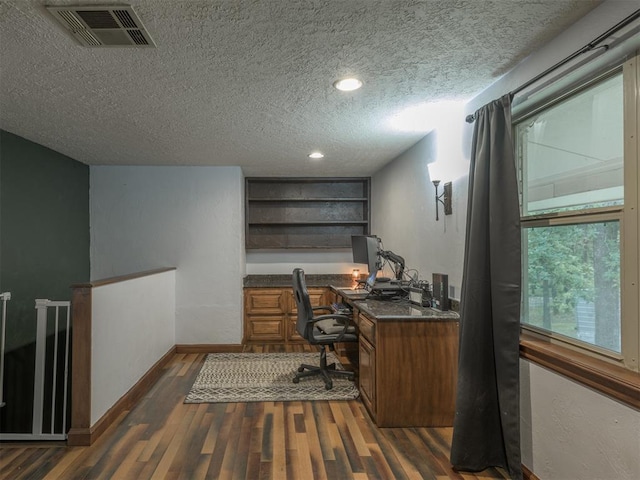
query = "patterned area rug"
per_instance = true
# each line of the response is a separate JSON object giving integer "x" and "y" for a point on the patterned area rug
{"x": 264, "y": 377}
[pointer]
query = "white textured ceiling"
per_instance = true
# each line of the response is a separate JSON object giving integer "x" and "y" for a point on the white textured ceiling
{"x": 249, "y": 82}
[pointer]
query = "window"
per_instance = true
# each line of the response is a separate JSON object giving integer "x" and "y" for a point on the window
{"x": 577, "y": 164}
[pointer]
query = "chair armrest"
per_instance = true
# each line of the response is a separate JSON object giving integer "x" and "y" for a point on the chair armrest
{"x": 335, "y": 316}
{"x": 340, "y": 319}
{"x": 322, "y": 307}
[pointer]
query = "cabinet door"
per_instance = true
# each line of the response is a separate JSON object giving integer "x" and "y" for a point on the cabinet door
{"x": 265, "y": 328}
{"x": 367, "y": 375}
{"x": 265, "y": 314}
{"x": 316, "y": 297}
{"x": 265, "y": 301}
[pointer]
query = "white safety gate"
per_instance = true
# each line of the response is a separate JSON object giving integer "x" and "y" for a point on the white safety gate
{"x": 57, "y": 413}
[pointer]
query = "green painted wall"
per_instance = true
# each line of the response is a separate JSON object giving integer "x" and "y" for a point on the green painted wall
{"x": 44, "y": 248}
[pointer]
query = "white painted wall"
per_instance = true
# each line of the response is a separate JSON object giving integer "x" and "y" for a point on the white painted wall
{"x": 568, "y": 431}
{"x": 190, "y": 218}
{"x": 133, "y": 326}
{"x": 314, "y": 262}
{"x": 404, "y": 214}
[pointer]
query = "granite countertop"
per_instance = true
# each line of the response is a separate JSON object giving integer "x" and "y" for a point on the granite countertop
{"x": 402, "y": 310}
{"x": 380, "y": 309}
{"x": 275, "y": 281}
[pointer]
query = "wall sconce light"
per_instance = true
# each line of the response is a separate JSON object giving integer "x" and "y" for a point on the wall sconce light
{"x": 355, "y": 274}
{"x": 444, "y": 198}
{"x": 438, "y": 170}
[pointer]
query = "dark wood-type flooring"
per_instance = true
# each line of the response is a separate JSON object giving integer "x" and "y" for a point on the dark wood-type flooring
{"x": 163, "y": 438}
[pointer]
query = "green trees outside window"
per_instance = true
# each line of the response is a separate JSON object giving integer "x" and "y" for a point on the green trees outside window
{"x": 573, "y": 281}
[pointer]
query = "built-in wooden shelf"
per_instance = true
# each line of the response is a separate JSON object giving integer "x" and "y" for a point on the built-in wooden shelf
{"x": 305, "y": 212}
{"x": 318, "y": 199}
{"x": 333, "y": 222}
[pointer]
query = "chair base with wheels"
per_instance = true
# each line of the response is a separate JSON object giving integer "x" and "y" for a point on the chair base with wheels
{"x": 324, "y": 370}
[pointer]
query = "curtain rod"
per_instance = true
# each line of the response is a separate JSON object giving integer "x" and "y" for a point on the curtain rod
{"x": 587, "y": 48}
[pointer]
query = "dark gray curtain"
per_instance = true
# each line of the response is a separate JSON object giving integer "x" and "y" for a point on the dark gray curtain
{"x": 486, "y": 430}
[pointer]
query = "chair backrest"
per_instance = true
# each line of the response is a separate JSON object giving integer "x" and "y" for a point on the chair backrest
{"x": 303, "y": 304}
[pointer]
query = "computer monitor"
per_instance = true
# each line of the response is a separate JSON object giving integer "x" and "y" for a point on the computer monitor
{"x": 365, "y": 250}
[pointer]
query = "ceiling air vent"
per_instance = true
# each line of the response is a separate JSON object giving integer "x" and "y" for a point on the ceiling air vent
{"x": 103, "y": 26}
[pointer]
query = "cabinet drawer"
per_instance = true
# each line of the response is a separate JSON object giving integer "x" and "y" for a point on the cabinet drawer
{"x": 265, "y": 328}
{"x": 265, "y": 301}
{"x": 367, "y": 329}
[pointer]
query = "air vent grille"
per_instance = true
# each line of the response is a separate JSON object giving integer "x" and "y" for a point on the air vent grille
{"x": 137, "y": 37}
{"x": 88, "y": 39}
{"x": 71, "y": 20}
{"x": 125, "y": 19}
{"x": 103, "y": 26}
{"x": 98, "y": 18}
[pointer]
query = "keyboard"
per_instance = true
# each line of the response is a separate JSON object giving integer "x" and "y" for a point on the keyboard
{"x": 354, "y": 293}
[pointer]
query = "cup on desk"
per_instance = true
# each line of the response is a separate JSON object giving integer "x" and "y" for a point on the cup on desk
{"x": 355, "y": 275}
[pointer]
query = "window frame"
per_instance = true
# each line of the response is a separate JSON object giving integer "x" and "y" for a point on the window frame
{"x": 596, "y": 215}
{"x": 607, "y": 372}
{"x": 549, "y": 103}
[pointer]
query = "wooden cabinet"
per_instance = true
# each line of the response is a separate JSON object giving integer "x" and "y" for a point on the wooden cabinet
{"x": 265, "y": 328}
{"x": 367, "y": 374}
{"x": 305, "y": 212}
{"x": 265, "y": 310}
{"x": 270, "y": 313}
{"x": 367, "y": 363}
{"x": 266, "y": 301}
{"x": 408, "y": 371}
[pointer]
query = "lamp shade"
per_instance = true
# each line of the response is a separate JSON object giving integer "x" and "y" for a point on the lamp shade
{"x": 438, "y": 171}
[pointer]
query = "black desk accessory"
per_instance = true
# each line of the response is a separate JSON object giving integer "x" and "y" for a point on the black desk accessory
{"x": 440, "y": 291}
{"x": 419, "y": 294}
{"x": 341, "y": 308}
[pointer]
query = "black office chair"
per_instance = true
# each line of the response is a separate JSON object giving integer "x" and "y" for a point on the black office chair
{"x": 323, "y": 330}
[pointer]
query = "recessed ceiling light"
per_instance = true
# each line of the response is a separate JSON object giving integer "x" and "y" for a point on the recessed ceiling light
{"x": 316, "y": 155}
{"x": 348, "y": 84}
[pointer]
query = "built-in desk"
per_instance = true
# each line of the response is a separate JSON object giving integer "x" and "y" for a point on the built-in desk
{"x": 408, "y": 361}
